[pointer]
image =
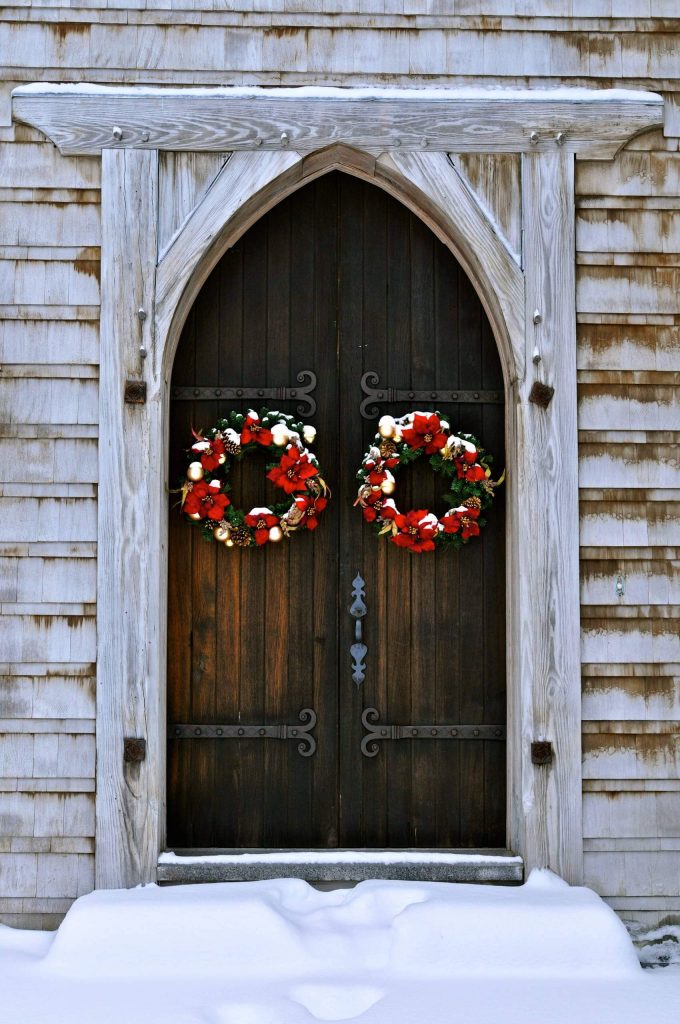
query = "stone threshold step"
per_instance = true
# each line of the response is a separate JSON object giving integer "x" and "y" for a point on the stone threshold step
{"x": 340, "y": 865}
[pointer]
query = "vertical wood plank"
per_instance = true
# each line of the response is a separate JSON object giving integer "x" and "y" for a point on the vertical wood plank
{"x": 131, "y": 630}
{"x": 547, "y": 567}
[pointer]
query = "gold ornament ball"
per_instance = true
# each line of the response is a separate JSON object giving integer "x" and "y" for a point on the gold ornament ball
{"x": 280, "y": 435}
{"x": 228, "y": 543}
{"x": 386, "y": 426}
{"x": 388, "y": 486}
{"x": 221, "y": 533}
{"x": 275, "y": 534}
{"x": 194, "y": 515}
{"x": 309, "y": 434}
{"x": 195, "y": 471}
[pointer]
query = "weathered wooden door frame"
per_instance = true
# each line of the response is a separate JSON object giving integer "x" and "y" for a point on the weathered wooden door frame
{"x": 399, "y": 140}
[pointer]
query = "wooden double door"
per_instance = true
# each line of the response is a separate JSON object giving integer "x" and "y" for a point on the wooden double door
{"x": 339, "y": 279}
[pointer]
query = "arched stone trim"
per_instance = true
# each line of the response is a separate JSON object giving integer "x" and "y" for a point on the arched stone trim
{"x": 544, "y": 808}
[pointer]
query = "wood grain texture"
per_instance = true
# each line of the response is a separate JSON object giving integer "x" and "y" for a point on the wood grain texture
{"x": 130, "y": 673}
{"x": 546, "y": 652}
{"x": 183, "y": 179}
{"x": 81, "y": 123}
{"x": 495, "y": 178}
{"x": 203, "y": 237}
{"x": 447, "y": 204}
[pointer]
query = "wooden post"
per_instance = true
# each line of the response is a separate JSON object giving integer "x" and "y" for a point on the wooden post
{"x": 545, "y": 541}
{"x": 130, "y": 623}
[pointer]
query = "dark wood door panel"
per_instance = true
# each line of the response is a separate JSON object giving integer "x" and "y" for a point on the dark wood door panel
{"x": 340, "y": 279}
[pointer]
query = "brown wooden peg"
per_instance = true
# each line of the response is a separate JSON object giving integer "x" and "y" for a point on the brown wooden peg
{"x": 134, "y": 749}
{"x": 541, "y": 394}
{"x": 541, "y": 752}
{"x": 135, "y": 392}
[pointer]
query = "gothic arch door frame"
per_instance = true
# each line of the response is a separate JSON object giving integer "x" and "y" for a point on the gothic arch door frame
{"x": 399, "y": 139}
{"x": 543, "y": 671}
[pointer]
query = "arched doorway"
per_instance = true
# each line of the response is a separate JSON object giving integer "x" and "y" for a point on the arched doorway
{"x": 339, "y": 279}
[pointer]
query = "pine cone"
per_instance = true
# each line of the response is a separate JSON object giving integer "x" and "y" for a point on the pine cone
{"x": 241, "y": 537}
{"x": 472, "y": 502}
{"x": 387, "y": 448}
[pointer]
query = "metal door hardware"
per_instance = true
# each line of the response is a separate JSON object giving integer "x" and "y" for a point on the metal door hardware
{"x": 302, "y": 392}
{"x": 376, "y": 393}
{"x": 302, "y": 733}
{"x": 382, "y": 731}
{"x": 358, "y": 650}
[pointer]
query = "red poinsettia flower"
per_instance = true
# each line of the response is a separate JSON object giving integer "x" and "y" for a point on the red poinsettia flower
{"x": 211, "y": 452}
{"x": 261, "y": 520}
{"x": 475, "y": 473}
{"x": 377, "y": 475}
{"x": 206, "y": 501}
{"x": 417, "y": 530}
{"x": 253, "y": 430}
{"x": 311, "y": 507}
{"x": 292, "y": 471}
{"x": 461, "y": 519}
{"x": 426, "y": 433}
{"x": 373, "y": 506}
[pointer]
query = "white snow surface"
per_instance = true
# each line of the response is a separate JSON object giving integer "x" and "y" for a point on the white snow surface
{"x": 563, "y": 93}
{"x": 340, "y": 857}
{"x": 281, "y": 952}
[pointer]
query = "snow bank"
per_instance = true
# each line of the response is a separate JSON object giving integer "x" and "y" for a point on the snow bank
{"x": 405, "y": 930}
{"x": 280, "y": 952}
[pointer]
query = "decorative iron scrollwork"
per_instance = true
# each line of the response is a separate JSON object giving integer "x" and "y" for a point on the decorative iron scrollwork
{"x": 376, "y": 393}
{"x": 358, "y": 650}
{"x": 302, "y": 733}
{"x": 302, "y": 392}
{"x": 379, "y": 731}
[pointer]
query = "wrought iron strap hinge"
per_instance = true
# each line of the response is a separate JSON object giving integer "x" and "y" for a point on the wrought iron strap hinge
{"x": 302, "y": 392}
{"x": 377, "y": 393}
{"x": 379, "y": 731}
{"x": 302, "y": 733}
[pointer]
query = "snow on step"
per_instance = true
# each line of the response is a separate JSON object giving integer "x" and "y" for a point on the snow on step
{"x": 285, "y": 929}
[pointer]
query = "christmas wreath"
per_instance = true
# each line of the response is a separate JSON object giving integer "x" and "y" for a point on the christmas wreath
{"x": 294, "y": 469}
{"x": 458, "y": 457}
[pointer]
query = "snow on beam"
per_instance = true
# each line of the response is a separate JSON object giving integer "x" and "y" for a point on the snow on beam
{"x": 84, "y": 119}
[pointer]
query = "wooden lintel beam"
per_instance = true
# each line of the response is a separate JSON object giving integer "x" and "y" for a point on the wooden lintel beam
{"x": 85, "y": 120}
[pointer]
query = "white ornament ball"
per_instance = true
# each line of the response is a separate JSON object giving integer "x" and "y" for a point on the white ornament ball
{"x": 221, "y": 533}
{"x": 386, "y": 426}
{"x": 388, "y": 486}
{"x": 194, "y": 515}
{"x": 280, "y": 435}
{"x": 228, "y": 543}
{"x": 309, "y": 434}
{"x": 275, "y": 534}
{"x": 195, "y": 471}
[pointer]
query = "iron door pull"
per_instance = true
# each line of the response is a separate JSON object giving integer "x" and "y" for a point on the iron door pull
{"x": 358, "y": 650}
